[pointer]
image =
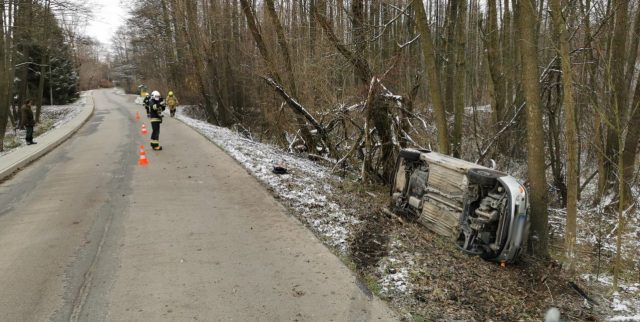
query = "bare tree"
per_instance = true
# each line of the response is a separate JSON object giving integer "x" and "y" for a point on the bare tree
{"x": 570, "y": 131}
{"x": 535, "y": 151}
{"x": 433, "y": 75}
{"x": 460, "y": 75}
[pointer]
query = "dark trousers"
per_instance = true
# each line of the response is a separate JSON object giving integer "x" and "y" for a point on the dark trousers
{"x": 155, "y": 134}
{"x": 29, "y": 137}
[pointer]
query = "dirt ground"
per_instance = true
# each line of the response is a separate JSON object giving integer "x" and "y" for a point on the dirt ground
{"x": 447, "y": 284}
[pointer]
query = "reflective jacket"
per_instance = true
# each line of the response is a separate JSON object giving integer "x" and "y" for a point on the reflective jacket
{"x": 156, "y": 107}
{"x": 172, "y": 102}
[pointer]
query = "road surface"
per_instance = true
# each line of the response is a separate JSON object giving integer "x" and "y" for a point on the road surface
{"x": 88, "y": 235}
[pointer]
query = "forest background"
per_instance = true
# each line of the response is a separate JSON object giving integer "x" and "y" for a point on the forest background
{"x": 547, "y": 88}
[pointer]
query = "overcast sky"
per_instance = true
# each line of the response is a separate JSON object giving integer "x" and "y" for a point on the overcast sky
{"x": 108, "y": 15}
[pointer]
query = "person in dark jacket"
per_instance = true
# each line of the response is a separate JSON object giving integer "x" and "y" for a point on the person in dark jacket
{"x": 28, "y": 121}
{"x": 145, "y": 102}
{"x": 156, "y": 107}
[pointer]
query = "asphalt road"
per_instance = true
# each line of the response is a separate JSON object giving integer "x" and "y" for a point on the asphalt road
{"x": 88, "y": 235}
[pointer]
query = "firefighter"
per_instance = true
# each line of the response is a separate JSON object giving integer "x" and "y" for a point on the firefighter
{"x": 172, "y": 102}
{"x": 145, "y": 102}
{"x": 156, "y": 107}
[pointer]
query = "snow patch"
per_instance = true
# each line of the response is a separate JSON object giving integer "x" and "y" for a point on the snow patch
{"x": 394, "y": 270}
{"x": 55, "y": 115}
{"x": 624, "y": 303}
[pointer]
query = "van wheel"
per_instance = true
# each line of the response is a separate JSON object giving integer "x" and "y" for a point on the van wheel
{"x": 410, "y": 155}
{"x": 483, "y": 177}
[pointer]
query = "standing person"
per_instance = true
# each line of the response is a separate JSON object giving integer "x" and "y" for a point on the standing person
{"x": 145, "y": 102}
{"x": 28, "y": 121}
{"x": 156, "y": 107}
{"x": 172, "y": 102}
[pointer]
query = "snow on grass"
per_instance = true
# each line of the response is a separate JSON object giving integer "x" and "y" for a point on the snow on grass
{"x": 61, "y": 114}
{"x": 597, "y": 229}
{"x": 51, "y": 117}
{"x": 395, "y": 269}
{"x": 624, "y": 302}
{"x": 619, "y": 318}
{"x": 303, "y": 187}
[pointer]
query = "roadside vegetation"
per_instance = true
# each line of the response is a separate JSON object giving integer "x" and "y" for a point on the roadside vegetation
{"x": 548, "y": 90}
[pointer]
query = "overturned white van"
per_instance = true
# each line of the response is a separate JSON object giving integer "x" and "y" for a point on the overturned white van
{"x": 485, "y": 211}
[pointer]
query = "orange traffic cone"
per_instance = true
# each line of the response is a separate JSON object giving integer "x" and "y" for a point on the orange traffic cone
{"x": 144, "y": 130}
{"x": 137, "y": 116}
{"x": 143, "y": 157}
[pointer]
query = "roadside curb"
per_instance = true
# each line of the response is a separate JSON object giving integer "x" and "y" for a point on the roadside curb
{"x": 16, "y": 160}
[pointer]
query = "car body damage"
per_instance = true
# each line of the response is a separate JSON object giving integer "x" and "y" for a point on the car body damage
{"x": 485, "y": 211}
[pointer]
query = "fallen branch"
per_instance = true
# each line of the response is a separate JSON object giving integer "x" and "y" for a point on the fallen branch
{"x": 582, "y": 293}
{"x": 586, "y": 182}
{"x": 494, "y": 139}
{"x": 393, "y": 215}
{"x": 300, "y": 109}
{"x": 355, "y": 147}
{"x": 319, "y": 157}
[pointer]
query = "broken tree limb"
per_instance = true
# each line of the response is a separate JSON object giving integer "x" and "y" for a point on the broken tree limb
{"x": 393, "y": 215}
{"x": 357, "y": 61}
{"x": 485, "y": 150}
{"x": 294, "y": 104}
{"x": 316, "y": 157}
{"x": 586, "y": 182}
{"x": 355, "y": 147}
{"x": 582, "y": 293}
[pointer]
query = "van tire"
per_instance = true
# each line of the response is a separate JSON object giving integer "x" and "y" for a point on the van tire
{"x": 410, "y": 155}
{"x": 483, "y": 177}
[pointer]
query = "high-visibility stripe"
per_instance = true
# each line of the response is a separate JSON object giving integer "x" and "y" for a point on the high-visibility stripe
{"x": 156, "y": 120}
{"x": 155, "y": 141}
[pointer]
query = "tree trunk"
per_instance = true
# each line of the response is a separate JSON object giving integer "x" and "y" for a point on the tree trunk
{"x": 42, "y": 29}
{"x": 460, "y": 76}
{"x": 535, "y": 155}
{"x": 313, "y": 30}
{"x": 571, "y": 136}
{"x": 449, "y": 50}
{"x": 357, "y": 12}
{"x": 618, "y": 79}
{"x": 617, "y": 261}
{"x": 5, "y": 101}
{"x": 195, "y": 42}
{"x": 357, "y": 61}
{"x": 170, "y": 57}
{"x": 631, "y": 144}
{"x": 496, "y": 69}
{"x": 433, "y": 76}
{"x": 633, "y": 118}
{"x": 284, "y": 48}
{"x": 377, "y": 108}
{"x": 25, "y": 18}
{"x": 275, "y": 80}
{"x": 40, "y": 94}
